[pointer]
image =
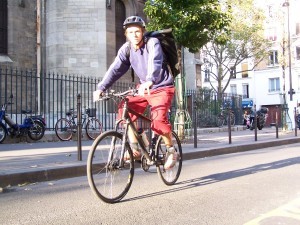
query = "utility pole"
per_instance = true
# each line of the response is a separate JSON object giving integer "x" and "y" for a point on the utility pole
{"x": 291, "y": 90}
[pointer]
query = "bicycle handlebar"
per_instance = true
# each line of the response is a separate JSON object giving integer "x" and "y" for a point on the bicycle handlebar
{"x": 108, "y": 95}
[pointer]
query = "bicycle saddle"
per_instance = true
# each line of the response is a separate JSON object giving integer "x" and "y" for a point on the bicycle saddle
{"x": 26, "y": 111}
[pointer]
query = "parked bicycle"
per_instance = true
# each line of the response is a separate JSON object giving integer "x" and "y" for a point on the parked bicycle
{"x": 65, "y": 128}
{"x": 33, "y": 126}
{"x": 110, "y": 175}
{"x": 222, "y": 118}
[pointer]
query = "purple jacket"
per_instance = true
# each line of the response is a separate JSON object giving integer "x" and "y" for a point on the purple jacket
{"x": 147, "y": 64}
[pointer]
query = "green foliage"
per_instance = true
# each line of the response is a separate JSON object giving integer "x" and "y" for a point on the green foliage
{"x": 194, "y": 22}
{"x": 245, "y": 40}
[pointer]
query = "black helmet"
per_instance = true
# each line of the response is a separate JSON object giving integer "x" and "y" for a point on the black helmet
{"x": 134, "y": 20}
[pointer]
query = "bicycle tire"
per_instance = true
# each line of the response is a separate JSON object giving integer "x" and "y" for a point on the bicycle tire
{"x": 108, "y": 181}
{"x": 2, "y": 133}
{"x": 63, "y": 129}
{"x": 36, "y": 131}
{"x": 220, "y": 121}
{"x": 232, "y": 119}
{"x": 93, "y": 128}
{"x": 170, "y": 176}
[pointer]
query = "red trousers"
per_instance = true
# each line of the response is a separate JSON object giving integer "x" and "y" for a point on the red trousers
{"x": 160, "y": 101}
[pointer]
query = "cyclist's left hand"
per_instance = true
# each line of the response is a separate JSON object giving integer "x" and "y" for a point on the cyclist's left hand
{"x": 145, "y": 87}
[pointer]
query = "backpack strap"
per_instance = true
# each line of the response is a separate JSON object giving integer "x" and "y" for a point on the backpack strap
{"x": 147, "y": 36}
{"x": 128, "y": 55}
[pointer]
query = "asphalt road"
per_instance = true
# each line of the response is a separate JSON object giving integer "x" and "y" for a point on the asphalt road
{"x": 253, "y": 187}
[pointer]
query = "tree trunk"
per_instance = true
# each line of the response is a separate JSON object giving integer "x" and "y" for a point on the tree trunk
{"x": 179, "y": 119}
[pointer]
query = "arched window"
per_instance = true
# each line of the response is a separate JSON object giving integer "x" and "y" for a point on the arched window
{"x": 120, "y": 17}
{"x": 3, "y": 27}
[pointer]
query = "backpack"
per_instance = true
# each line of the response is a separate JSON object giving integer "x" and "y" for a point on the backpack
{"x": 169, "y": 49}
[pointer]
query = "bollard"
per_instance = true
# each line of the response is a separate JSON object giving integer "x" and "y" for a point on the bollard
{"x": 229, "y": 124}
{"x": 276, "y": 118}
{"x": 295, "y": 116}
{"x": 255, "y": 124}
{"x": 79, "y": 130}
{"x": 195, "y": 124}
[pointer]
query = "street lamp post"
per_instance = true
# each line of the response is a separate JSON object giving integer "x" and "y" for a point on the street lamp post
{"x": 291, "y": 91}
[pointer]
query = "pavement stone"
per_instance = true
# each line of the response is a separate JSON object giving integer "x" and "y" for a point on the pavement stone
{"x": 30, "y": 162}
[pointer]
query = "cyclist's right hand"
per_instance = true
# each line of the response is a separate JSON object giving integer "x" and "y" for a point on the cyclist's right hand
{"x": 97, "y": 95}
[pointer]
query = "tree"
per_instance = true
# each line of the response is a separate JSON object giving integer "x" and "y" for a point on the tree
{"x": 245, "y": 40}
{"x": 194, "y": 23}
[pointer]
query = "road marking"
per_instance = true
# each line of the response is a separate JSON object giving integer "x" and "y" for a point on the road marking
{"x": 289, "y": 211}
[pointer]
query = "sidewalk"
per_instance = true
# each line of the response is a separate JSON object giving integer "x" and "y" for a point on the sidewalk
{"x": 44, "y": 161}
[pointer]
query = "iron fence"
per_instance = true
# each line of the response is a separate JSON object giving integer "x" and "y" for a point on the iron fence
{"x": 205, "y": 106}
{"x": 52, "y": 95}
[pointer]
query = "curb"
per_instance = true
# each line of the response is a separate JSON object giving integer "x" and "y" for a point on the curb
{"x": 70, "y": 171}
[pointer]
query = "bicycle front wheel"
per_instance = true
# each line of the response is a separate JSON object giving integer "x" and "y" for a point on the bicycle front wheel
{"x": 63, "y": 129}
{"x": 232, "y": 119}
{"x": 170, "y": 176}
{"x": 109, "y": 175}
{"x": 93, "y": 128}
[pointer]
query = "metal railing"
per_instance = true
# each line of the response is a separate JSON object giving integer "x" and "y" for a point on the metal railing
{"x": 52, "y": 95}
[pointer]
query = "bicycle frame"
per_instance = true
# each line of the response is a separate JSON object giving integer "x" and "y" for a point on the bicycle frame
{"x": 84, "y": 119}
{"x": 129, "y": 123}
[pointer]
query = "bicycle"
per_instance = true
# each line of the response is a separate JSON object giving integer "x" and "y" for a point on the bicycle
{"x": 66, "y": 127}
{"x": 110, "y": 175}
{"x": 222, "y": 118}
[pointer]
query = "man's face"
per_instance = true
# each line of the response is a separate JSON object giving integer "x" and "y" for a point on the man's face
{"x": 134, "y": 34}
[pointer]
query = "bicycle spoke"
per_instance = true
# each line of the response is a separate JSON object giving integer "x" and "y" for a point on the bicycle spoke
{"x": 169, "y": 176}
{"x": 109, "y": 177}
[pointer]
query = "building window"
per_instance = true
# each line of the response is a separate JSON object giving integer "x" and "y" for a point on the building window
{"x": 298, "y": 53}
{"x": 232, "y": 72}
{"x": 274, "y": 84}
{"x": 206, "y": 75}
{"x": 272, "y": 34}
{"x": 273, "y": 58}
{"x": 233, "y": 89}
{"x": 245, "y": 90}
{"x": 120, "y": 18}
{"x": 3, "y": 27}
{"x": 244, "y": 70}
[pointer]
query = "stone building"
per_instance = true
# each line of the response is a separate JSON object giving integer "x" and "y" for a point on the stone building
{"x": 18, "y": 33}
{"x": 63, "y": 36}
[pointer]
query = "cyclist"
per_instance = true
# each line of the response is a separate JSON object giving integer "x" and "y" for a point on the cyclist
{"x": 156, "y": 86}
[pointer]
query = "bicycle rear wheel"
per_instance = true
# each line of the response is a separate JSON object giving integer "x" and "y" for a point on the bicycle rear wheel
{"x": 220, "y": 121}
{"x": 170, "y": 176}
{"x": 63, "y": 129}
{"x": 93, "y": 128}
{"x": 109, "y": 177}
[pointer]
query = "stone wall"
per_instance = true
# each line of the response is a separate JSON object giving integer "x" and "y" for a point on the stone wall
{"x": 75, "y": 37}
{"x": 21, "y": 34}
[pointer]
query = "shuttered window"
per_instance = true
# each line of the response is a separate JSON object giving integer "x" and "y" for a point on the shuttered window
{"x": 244, "y": 69}
{"x": 3, "y": 27}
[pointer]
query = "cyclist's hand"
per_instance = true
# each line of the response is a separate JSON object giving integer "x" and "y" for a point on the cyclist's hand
{"x": 97, "y": 95}
{"x": 145, "y": 87}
